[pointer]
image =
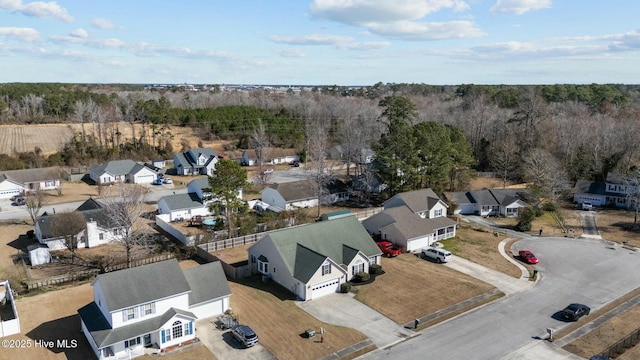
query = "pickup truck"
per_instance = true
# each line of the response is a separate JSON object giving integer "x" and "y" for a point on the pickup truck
{"x": 388, "y": 248}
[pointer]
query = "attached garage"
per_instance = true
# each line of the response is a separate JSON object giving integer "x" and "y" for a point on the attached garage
{"x": 325, "y": 288}
{"x": 213, "y": 308}
{"x": 465, "y": 209}
{"x": 418, "y": 243}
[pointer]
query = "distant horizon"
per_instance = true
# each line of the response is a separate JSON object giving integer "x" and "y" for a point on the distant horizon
{"x": 301, "y": 85}
{"x": 489, "y": 42}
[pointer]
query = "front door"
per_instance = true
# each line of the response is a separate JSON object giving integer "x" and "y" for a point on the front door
{"x": 147, "y": 340}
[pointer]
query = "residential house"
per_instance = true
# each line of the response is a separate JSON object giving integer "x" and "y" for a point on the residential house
{"x": 358, "y": 155}
{"x": 291, "y": 195}
{"x": 121, "y": 171}
{"x": 151, "y": 307}
{"x": 100, "y": 228}
{"x": 194, "y": 203}
{"x": 270, "y": 155}
{"x": 9, "y": 320}
{"x": 17, "y": 182}
{"x": 313, "y": 260}
{"x": 196, "y": 161}
{"x": 336, "y": 191}
{"x": 412, "y": 220}
{"x": 612, "y": 192}
{"x": 488, "y": 202}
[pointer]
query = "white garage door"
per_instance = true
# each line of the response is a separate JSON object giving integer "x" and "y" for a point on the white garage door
{"x": 417, "y": 244}
{"x": 145, "y": 179}
{"x": 327, "y": 287}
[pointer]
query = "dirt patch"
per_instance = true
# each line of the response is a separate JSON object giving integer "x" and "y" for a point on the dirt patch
{"x": 422, "y": 287}
{"x": 492, "y": 183}
{"x": 267, "y": 307}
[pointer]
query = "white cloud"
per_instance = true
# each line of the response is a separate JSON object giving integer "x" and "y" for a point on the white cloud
{"x": 519, "y": 6}
{"x": 367, "y": 45}
{"x": 20, "y": 33}
{"x": 359, "y": 12}
{"x": 39, "y": 9}
{"x": 411, "y": 30}
{"x": 291, "y": 53}
{"x": 79, "y": 33}
{"x": 85, "y": 40}
{"x": 103, "y": 24}
{"x": 310, "y": 39}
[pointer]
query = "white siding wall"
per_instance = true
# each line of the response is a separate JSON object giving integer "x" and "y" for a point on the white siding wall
{"x": 317, "y": 278}
{"x": 439, "y": 206}
{"x": 210, "y": 309}
{"x": 179, "y": 302}
{"x": 418, "y": 243}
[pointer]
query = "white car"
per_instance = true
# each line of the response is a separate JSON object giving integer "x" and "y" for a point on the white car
{"x": 268, "y": 171}
{"x": 587, "y": 205}
{"x": 167, "y": 181}
{"x": 437, "y": 255}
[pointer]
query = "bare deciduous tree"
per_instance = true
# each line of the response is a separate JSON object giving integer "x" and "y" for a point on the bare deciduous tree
{"x": 125, "y": 207}
{"x": 544, "y": 172}
{"x": 34, "y": 201}
{"x": 69, "y": 225}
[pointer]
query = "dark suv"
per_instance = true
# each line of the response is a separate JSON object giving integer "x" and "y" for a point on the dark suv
{"x": 244, "y": 335}
{"x": 574, "y": 312}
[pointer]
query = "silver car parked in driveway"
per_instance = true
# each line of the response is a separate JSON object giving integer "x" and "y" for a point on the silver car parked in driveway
{"x": 437, "y": 255}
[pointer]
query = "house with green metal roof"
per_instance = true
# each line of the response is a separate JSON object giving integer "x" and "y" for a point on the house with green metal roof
{"x": 313, "y": 260}
{"x": 153, "y": 306}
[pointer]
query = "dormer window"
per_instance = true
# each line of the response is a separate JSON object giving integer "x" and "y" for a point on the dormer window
{"x": 437, "y": 212}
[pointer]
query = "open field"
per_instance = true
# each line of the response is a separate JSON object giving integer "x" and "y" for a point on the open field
{"x": 50, "y": 138}
{"x": 617, "y": 225}
{"x": 412, "y": 287}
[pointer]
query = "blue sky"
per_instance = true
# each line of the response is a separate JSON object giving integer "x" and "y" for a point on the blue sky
{"x": 344, "y": 42}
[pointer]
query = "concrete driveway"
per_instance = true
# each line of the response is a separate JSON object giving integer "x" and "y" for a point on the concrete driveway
{"x": 588, "y": 222}
{"x": 344, "y": 310}
{"x": 222, "y": 344}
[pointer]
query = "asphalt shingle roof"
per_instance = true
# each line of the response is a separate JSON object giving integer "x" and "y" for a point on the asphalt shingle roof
{"x": 304, "y": 246}
{"x": 207, "y": 282}
{"x": 183, "y": 201}
{"x": 25, "y": 176}
{"x": 116, "y": 167}
{"x": 416, "y": 201}
{"x": 296, "y": 190}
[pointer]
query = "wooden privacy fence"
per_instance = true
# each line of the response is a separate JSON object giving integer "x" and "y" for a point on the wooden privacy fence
{"x": 231, "y": 243}
{"x": 621, "y": 346}
{"x": 87, "y": 274}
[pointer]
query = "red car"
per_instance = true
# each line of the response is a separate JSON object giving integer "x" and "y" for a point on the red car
{"x": 528, "y": 257}
{"x": 388, "y": 248}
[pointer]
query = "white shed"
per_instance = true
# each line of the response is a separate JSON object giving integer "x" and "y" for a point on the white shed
{"x": 39, "y": 254}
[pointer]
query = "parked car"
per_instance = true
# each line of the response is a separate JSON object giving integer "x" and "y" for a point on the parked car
{"x": 437, "y": 255}
{"x": 388, "y": 248}
{"x": 574, "y": 312}
{"x": 295, "y": 163}
{"x": 14, "y": 197}
{"x": 587, "y": 206}
{"x": 528, "y": 257}
{"x": 167, "y": 180}
{"x": 267, "y": 171}
{"x": 20, "y": 201}
{"x": 244, "y": 335}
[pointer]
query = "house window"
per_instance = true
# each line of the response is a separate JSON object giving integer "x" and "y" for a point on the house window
{"x": 326, "y": 268}
{"x": 130, "y": 313}
{"x": 101, "y": 236}
{"x": 437, "y": 212}
{"x": 372, "y": 260}
{"x": 176, "y": 330}
{"x": 187, "y": 329}
{"x": 263, "y": 267}
{"x": 358, "y": 267}
{"x": 253, "y": 259}
{"x": 148, "y": 309}
{"x": 132, "y": 342}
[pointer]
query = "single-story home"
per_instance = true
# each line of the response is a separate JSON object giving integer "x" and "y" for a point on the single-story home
{"x": 412, "y": 220}
{"x": 488, "y": 202}
{"x": 291, "y": 195}
{"x": 17, "y": 182}
{"x": 313, "y": 260}
{"x": 121, "y": 171}
{"x": 151, "y": 306}
{"x": 100, "y": 228}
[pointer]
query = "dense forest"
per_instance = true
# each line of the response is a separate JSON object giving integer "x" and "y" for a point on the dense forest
{"x": 546, "y": 134}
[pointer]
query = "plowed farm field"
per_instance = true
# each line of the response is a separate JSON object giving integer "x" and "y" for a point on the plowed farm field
{"x": 51, "y": 138}
{"x": 25, "y": 138}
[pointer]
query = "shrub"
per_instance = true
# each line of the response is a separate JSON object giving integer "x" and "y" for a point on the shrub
{"x": 549, "y": 206}
{"x": 345, "y": 288}
{"x": 375, "y": 269}
{"x": 362, "y": 276}
{"x": 525, "y": 219}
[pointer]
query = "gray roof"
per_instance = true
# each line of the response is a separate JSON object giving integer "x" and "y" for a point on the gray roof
{"x": 296, "y": 190}
{"x": 90, "y": 209}
{"x": 189, "y": 157}
{"x": 416, "y": 201}
{"x": 305, "y": 247}
{"x": 593, "y": 187}
{"x": 488, "y": 197}
{"x": 210, "y": 274}
{"x": 104, "y": 335}
{"x": 202, "y": 183}
{"x": 25, "y": 176}
{"x": 408, "y": 223}
{"x": 183, "y": 201}
{"x": 116, "y": 167}
{"x": 142, "y": 284}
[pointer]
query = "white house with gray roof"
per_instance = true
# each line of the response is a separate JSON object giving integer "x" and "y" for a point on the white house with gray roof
{"x": 196, "y": 161}
{"x": 17, "y": 182}
{"x": 151, "y": 307}
{"x": 488, "y": 202}
{"x": 100, "y": 228}
{"x": 122, "y": 171}
{"x": 195, "y": 202}
{"x": 313, "y": 260}
{"x": 412, "y": 220}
